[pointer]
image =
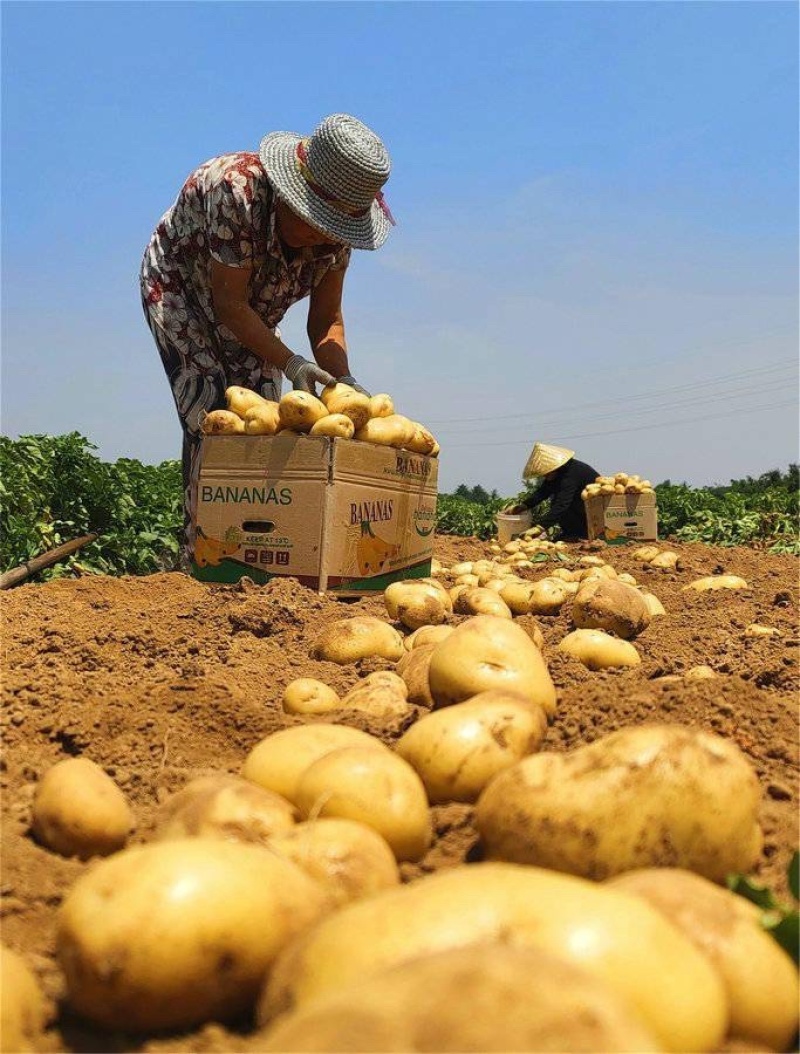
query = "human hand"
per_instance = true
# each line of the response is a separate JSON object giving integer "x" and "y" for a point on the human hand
{"x": 353, "y": 383}
{"x": 304, "y": 374}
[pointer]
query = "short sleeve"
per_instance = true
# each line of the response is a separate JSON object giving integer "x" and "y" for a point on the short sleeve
{"x": 228, "y": 214}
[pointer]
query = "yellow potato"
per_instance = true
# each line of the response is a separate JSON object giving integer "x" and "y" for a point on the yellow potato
{"x": 654, "y": 605}
{"x": 239, "y": 400}
{"x": 78, "y": 810}
{"x": 224, "y": 807}
{"x": 172, "y": 934}
{"x": 760, "y": 978}
{"x": 611, "y": 606}
{"x": 24, "y": 1011}
{"x": 417, "y": 603}
{"x": 344, "y": 400}
{"x": 394, "y": 430}
{"x": 547, "y": 596}
{"x": 756, "y": 630}
{"x": 480, "y": 601}
{"x": 422, "y": 442}
{"x": 375, "y": 787}
{"x": 665, "y": 561}
{"x": 598, "y": 650}
{"x": 381, "y": 405}
{"x": 426, "y": 635}
{"x": 457, "y": 750}
{"x": 222, "y": 423}
{"x": 361, "y": 637}
{"x": 262, "y": 419}
{"x": 414, "y": 668}
{"x": 382, "y": 694}
{"x": 337, "y": 426}
{"x": 646, "y": 553}
{"x": 278, "y": 761}
{"x": 714, "y": 582}
{"x": 700, "y": 673}
{"x": 487, "y": 997}
{"x": 488, "y": 652}
{"x": 645, "y": 796}
{"x": 349, "y": 858}
{"x": 309, "y": 696}
{"x": 300, "y": 411}
{"x": 617, "y": 937}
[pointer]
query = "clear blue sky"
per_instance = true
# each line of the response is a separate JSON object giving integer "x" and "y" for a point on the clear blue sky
{"x": 597, "y": 211}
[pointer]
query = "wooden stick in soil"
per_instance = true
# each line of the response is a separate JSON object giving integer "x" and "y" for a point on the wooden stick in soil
{"x": 38, "y": 563}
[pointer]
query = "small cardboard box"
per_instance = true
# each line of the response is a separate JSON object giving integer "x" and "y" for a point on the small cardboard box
{"x": 619, "y": 518}
{"x": 338, "y": 515}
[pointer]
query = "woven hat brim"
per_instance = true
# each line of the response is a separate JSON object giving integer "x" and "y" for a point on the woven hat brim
{"x": 277, "y": 154}
{"x": 546, "y": 459}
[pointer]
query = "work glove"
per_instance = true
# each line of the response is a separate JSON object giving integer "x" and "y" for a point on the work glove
{"x": 347, "y": 379}
{"x": 305, "y": 374}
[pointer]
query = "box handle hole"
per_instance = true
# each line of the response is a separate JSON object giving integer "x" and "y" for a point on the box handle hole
{"x": 258, "y": 526}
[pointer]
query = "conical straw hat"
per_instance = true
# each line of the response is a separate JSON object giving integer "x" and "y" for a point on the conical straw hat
{"x": 545, "y": 458}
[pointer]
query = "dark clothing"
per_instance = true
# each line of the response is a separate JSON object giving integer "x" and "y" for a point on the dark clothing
{"x": 567, "y": 510}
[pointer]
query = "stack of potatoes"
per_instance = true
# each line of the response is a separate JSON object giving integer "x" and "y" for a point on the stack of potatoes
{"x": 340, "y": 413}
{"x": 619, "y": 483}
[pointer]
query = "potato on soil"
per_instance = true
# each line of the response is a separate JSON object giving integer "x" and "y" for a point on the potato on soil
{"x": 224, "y": 807}
{"x": 598, "y": 650}
{"x": 617, "y": 937}
{"x": 361, "y": 637}
{"x": 381, "y": 694}
{"x": 665, "y": 561}
{"x": 278, "y": 761}
{"x": 488, "y": 652}
{"x": 417, "y": 603}
{"x": 547, "y": 596}
{"x": 654, "y": 605}
{"x": 375, "y": 787}
{"x": 414, "y": 668}
{"x": 337, "y": 426}
{"x": 24, "y": 1011}
{"x": 300, "y": 411}
{"x": 457, "y": 750}
{"x": 757, "y": 630}
{"x": 760, "y": 978}
{"x": 646, "y": 553}
{"x": 306, "y": 695}
{"x": 349, "y": 858}
{"x": 426, "y": 635}
{"x": 486, "y": 997}
{"x": 647, "y": 796}
{"x": 611, "y": 606}
{"x": 481, "y": 601}
{"x": 172, "y": 934}
{"x": 78, "y": 810}
{"x": 714, "y": 582}
{"x": 700, "y": 673}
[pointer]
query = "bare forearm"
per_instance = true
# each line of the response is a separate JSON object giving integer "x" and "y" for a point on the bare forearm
{"x": 330, "y": 350}
{"x": 254, "y": 334}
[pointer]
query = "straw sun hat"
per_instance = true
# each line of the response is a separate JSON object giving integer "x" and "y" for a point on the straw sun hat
{"x": 545, "y": 458}
{"x": 332, "y": 179}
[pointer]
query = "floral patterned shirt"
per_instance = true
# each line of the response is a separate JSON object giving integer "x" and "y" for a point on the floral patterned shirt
{"x": 225, "y": 210}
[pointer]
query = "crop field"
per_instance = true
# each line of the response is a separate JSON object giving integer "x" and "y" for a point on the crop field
{"x": 160, "y": 679}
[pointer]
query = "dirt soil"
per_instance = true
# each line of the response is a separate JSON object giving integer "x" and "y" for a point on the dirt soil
{"x": 160, "y": 679}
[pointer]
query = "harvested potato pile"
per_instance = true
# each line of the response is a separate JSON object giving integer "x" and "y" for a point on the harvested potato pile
{"x": 619, "y": 483}
{"x": 340, "y": 412}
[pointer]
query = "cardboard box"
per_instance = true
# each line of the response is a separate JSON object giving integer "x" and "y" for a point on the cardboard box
{"x": 620, "y": 518}
{"x": 338, "y": 515}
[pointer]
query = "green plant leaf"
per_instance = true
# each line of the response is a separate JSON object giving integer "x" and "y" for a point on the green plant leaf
{"x": 786, "y": 931}
{"x": 753, "y": 891}
{"x": 793, "y": 875}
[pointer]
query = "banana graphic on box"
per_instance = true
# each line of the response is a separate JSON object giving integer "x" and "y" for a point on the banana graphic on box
{"x": 209, "y": 552}
{"x": 373, "y": 552}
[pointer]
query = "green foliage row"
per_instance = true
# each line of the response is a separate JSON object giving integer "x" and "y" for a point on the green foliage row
{"x": 759, "y": 511}
{"x": 54, "y": 489}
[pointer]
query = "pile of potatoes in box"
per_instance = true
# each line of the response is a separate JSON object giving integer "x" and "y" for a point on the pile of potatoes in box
{"x": 340, "y": 413}
{"x": 597, "y": 919}
{"x": 619, "y": 483}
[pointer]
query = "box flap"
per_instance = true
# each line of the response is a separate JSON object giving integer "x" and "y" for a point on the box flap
{"x": 366, "y": 462}
{"x": 269, "y": 457}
